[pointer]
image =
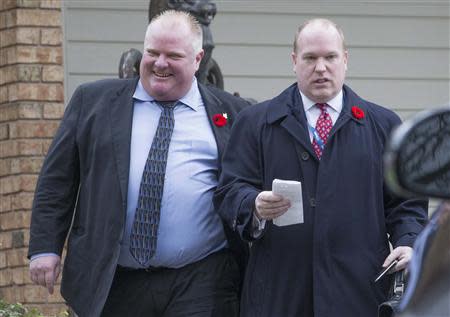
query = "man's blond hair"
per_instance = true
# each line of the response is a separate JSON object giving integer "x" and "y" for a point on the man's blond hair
{"x": 170, "y": 18}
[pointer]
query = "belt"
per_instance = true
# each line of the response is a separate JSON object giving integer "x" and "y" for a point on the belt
{"x": 154, "y": 269}
{"x": 150, "y": 269}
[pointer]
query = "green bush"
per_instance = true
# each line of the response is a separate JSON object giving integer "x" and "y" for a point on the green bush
{"x": 18, "y": 310}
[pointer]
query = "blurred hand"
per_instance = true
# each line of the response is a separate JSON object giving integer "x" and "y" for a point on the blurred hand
{"x": 402, "y": 254}
{"x": 45, "y": 270}
{"x": 269, "y": 205}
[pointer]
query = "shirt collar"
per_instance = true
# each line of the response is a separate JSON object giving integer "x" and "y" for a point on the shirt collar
{"x": 335, "y": 103}
{"x": 192, "y": 99}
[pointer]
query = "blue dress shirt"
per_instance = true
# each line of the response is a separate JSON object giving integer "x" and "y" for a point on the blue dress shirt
{"x": 189, "y": 228}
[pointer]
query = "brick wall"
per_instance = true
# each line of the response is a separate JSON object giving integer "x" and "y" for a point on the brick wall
{"x": 31, "y": 104}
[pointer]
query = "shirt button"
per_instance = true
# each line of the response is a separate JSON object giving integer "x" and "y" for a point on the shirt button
{"x": 312, "y": 202}
{"x": 305, "y": 156}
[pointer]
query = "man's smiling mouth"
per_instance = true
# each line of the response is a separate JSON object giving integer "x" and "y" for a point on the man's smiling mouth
{"x": 162, "y": 75}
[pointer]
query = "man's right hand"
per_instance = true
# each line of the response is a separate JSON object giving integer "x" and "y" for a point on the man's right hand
{"x": 269, "y": 205}
{"x": 44, "y": 271}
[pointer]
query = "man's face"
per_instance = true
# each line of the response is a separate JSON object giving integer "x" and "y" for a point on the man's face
{"x": 320, "y": 62}
{"x": 169, "y": 63}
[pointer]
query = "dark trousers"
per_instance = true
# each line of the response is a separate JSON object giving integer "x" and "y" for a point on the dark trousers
{"x": 207, "y": 288}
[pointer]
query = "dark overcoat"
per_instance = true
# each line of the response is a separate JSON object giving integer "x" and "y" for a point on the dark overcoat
{"x": 85, "y": 178}
{"x": 324, "y": 267}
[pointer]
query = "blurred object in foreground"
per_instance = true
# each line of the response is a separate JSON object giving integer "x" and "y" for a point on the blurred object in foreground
{"x": 418, "y": 156}
{"x": 417, "y": 162}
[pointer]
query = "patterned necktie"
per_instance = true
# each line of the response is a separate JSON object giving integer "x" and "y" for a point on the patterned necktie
{"x": 146, "y": 220}
{"x": 323, "y": 128}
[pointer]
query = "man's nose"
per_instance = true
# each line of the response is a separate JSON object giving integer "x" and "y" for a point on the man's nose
{"x": 320, "y": 65}
{"x": 161, "y": 61}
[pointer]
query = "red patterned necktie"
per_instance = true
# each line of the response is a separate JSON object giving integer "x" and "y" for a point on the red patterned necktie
{"x": 323, "y": 128}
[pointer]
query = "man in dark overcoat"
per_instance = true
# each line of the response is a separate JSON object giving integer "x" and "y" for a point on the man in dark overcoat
{"x": 101, "y": 178}
{"x": 322, "y": 134}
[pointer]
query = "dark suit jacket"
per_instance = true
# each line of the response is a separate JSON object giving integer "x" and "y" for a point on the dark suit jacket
{"x": 325, "y": 266}
{"x": 85, "y": 178}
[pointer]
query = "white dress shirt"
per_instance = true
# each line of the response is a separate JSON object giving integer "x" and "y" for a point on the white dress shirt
{"x": 334, "y": 108}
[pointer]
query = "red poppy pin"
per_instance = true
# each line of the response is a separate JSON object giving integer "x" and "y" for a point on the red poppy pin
{"x": 220, "y": 119}
{"x": 357, "y": 112}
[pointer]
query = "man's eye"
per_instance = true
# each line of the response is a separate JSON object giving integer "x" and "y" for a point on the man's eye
{"x": 331, "y": 57}
{"x": 175, "y": 56}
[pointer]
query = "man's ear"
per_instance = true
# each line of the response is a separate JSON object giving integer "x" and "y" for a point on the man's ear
{"x": 294, "y": 60}
{"x": 198, "y": 58}
{"x": 345, "y": 59}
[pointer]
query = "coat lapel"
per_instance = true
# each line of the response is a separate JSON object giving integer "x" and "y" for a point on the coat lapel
{"x": 350, "y": 100}
{"x": 289, "y": 110}
{"x": 213, "y": 105}
{"x": 292, "y": 115}
{"x": 121, "y": 125}
{"x": 299, "y": 131}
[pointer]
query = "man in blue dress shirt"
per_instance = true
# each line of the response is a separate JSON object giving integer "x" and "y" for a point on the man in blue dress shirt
{"x": 91, "y": 180}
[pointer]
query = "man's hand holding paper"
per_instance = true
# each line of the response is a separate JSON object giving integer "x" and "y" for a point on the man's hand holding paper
{"x": 292, "y": 191}
{"x": 269, "y": 205}
{"x": 283, "y": 205}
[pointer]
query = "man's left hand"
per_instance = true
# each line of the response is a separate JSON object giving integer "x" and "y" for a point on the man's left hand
{"x": 402, "y": 254}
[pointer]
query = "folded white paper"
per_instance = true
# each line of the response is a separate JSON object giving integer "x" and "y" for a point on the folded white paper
{"x": 291, "y": 190}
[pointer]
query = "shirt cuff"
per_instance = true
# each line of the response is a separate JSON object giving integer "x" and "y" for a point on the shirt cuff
{"x": 39, "y": 255}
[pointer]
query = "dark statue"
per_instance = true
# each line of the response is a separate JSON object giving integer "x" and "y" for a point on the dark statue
{"x": 129, "y": 63}
{"x": 209, "y": 72}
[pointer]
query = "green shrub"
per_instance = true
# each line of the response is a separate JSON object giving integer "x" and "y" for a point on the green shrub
{"x": 18, "y": 310}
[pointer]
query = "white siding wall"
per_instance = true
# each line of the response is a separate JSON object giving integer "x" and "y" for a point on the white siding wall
{"x": 95, "y": 35}
{"x": 399, "y": 51}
